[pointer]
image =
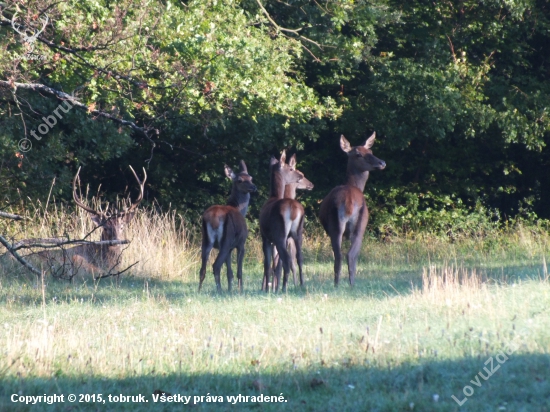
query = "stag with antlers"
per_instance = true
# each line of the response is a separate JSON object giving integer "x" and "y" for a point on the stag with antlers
{"x": 103, "y": 256}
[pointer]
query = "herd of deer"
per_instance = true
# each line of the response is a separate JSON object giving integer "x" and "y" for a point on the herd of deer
{"x": 343, "y": 213}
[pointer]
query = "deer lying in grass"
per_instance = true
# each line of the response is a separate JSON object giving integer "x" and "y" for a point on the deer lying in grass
{"x": 343, "y": 211}
{"x": 224, "y": 228}
{"x": 290, "y": 193}
{"x": 96, "y": 258}
{"x": 281, "y": 218}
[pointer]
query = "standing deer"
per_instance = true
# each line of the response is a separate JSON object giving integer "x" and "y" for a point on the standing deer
{"x": 281, "y": 218}
{"x": 290, "y": 193}
{"x": 224, "y": 228}
{"x": 344, "y": 211}
{"x": 93, "y": 257}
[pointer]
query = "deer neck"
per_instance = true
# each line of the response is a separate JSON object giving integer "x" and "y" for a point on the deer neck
{"x": 239, "y": 200}
{"x": 111, "y": 248}
{"x": 105, "y": 255}
{"x": 277, "y": 187}
{"x": 356, "y": 178}
{"x": 290, "y": 191}
{"x": 105, "y": 237}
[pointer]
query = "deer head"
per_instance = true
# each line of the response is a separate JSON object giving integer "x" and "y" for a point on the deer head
{"x": 360, "y": 158}
{"x": 242, "y": 180}
{"x": 288, "y": 170}
{"x": 113, "y": 224}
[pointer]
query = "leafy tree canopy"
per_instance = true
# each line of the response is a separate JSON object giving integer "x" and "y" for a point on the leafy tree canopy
{"x": 458, "y": 93}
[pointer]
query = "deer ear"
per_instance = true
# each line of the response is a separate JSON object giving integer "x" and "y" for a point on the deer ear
{"x": 344, "y": 144}
{"x": 95, "y": 218}
{"x": 229, "y": 173}
{"x": 242, "y": 167}
{"x": 283, "y": 158}
{"x": 370, "y": 141}
{"x": 292, "y": 162}
{"x": 273, "y": 161}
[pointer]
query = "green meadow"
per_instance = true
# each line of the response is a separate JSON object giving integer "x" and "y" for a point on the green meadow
{"x": 426, "y": 318}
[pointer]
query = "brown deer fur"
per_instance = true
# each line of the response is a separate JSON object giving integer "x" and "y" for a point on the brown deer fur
{"x": 91, "y": 257}
{"x": 343, "y": 211}
{"x": 290, "y": 193}
{"x": 281, "y": 218}
{"x": 224, "y": 228}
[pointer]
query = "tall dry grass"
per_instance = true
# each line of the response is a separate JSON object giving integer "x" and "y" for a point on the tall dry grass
{"x": 160, "y": 242}
{"x": 167, "y": 246}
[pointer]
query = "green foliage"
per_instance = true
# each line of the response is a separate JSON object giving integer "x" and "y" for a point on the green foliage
{"x": 405, "y": 213}
{"x": 458, "y": 94}
{"x": 171, "y": 67}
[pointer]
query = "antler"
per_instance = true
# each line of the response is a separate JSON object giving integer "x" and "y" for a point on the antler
{"x": 77, "y": 199}
{"x": 141, "y": 189}
{"x": 101, "y": 214}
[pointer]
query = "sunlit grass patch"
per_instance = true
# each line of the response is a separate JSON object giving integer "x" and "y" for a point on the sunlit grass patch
{"x": 412, "y": 327}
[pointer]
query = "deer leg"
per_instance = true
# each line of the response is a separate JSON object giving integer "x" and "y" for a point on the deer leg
{"x": 266, "y": 246}
{"x": 277, "y": 272}
{"x": 229, "y": 271}
{"x": 356, "y": 239}
{"x": 291, "y": 247}
{"x": 217, "y": 266}
{"x": 336, "y": 233}
{"x": 280, "y": 243}
{"x": 240, "y": 258}
{"x": 276, "y": 268}
{"x": 295, "y": 243}
{"x": 205, "y": 252}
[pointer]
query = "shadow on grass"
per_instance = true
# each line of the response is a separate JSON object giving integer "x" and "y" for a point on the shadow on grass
{"x": 520, "y": 383}
{"x": 24, "y": 289}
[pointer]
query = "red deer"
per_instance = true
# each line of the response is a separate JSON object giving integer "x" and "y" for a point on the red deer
{"x": 343, "y": 211}
{"x": 290, "y": 193}
{"x": 224, "y": 228}
{"x": 281, "y": 218}
{"x": 92, "y": 257}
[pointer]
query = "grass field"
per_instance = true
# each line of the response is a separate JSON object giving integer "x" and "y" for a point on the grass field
{"x": 423, "y": 321}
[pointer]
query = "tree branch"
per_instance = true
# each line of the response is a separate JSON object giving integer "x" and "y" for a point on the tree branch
{"x": 293, "y": 31}
{"x": 11, "y": 216}
{"x": 273, "y": 21}
{"x": 50, "y": 243}
{"x": 109, "y": 274}
{"x": 37, "y": 87}
{"x": 16, "y": 255}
